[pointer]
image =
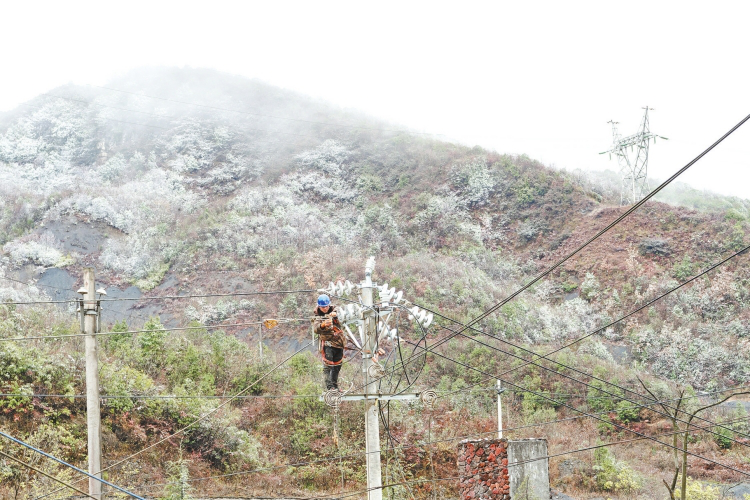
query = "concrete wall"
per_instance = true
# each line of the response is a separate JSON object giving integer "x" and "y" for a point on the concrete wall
{"x": 529, "y": 481}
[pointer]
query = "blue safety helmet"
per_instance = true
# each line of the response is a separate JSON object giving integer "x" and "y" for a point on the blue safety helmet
{"x": 324, "y": 300}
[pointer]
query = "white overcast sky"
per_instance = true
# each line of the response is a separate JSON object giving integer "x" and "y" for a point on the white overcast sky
{"x": 541, "y": 78}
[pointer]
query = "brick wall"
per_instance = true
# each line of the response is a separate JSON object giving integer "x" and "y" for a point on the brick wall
{"x": 483, "y": 467}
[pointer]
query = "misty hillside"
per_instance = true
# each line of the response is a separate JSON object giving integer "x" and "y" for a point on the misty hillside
{"x": 184, "y": 182}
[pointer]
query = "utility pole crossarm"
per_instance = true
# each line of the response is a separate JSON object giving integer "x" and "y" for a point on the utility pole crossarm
{"x": 406, "y": 396}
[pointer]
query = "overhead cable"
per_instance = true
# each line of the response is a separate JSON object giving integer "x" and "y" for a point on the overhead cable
{"x": 464, "y": 327}
{"x": 598, "y": 330}
{"x": 39, "y": 471}
{"x": 66, "y": 464}
{"x": 590, "y": 415}
{"x": 281, "y": 321}
{"x": 202, "y": 417}
{"x": 456, "y": 438}
{"x": 513, "y": 464}
{"x": 599, "y": 233}
{"x": 165, "y": 297}
{"x": 599, "y": 389}
{"x": 145, "y": 396}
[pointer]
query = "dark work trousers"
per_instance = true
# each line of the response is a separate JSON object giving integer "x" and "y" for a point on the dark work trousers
{"x": 331, "y": 372}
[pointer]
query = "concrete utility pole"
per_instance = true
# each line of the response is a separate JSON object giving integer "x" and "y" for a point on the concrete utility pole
{"x": 500, "y": 390}
{"x": 365, "y": 317}
{"x": 90, "y": 313}
{"x": 372, "y": 428}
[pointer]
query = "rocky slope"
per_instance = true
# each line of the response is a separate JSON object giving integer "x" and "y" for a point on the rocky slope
{"x": 252, "y": 188}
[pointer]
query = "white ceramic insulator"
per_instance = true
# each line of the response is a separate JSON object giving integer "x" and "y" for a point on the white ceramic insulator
{"x": 351, "y": 335}
{"x": 413, "y": 312}
{"x": 428, "y": 320}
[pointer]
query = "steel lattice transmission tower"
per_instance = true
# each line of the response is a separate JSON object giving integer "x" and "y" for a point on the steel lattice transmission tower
{"x": 633, "y": 163}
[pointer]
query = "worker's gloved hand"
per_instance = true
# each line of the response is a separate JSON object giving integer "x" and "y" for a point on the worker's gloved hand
{"x": 326, "y": 323}
{"x": 381, "y": 352}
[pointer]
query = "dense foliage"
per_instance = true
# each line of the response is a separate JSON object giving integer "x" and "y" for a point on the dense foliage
{"x": 259, "y": 188}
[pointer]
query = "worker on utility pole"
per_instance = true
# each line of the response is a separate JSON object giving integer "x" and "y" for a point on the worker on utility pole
{"x": 332, "y": 340}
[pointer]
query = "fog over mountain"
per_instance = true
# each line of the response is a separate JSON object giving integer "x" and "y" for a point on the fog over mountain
{"x": 182, "y": 183}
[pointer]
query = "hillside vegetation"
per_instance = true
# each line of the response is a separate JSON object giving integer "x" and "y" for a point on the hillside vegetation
{"x": 252, "y": 188}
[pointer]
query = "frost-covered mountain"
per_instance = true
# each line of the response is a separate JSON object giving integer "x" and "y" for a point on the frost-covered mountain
{"x": 193, "y": 180}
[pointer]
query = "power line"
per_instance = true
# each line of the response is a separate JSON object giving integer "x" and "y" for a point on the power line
{"x": 597, "y": 235}
{"x": 590, "y": 415}
{"x": 527, "y": 362}
{"x": 92, "y": 476}
{"x": 162, "y": 329}
{"x": 612, "y": 394}
{"x": 545, "y": 357}
{"x": 202, "y": 417}
{"x": 90, "y": 103}
{"x": 456, "y": 438}
{"x": 31, "y": 284}
{"x": 511, "y": 464}
{"x": 39, "y": 471}
{"x": 208, "y": 295}
{"x": 36, "y": 302}
{"x": 165, "y": 297}
{"x": 131, "y": 123}
{"x": 137, "y": 396}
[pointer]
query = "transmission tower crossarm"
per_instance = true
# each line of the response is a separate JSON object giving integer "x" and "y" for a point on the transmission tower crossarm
{"x": 633, "y": 171}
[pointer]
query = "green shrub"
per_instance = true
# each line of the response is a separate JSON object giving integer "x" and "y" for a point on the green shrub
{"x": 590, "y": 287}
{"x": 723, "y": 438}
{"x": 20, "y": 402}
{"x": 540, "y": 416}
{"x": 737, "y": 237}
{"x": 152, "y": 345}
{"x": 117, "y": 341}
{"x": 695, "y": 490}
{"x": 188, "y": 361}
{"x": 120, "y": 380}
{"x": 598, "y": 400}
{"x": 178, "y": 486}
{"x": 301, "y": 365}
{"x": 684, "y": 269}
{"x": 734, "y": 215}
{"x": 525, "y": 193}
{"x": 627, "y": 411}
{"x": 614, "y": 475}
